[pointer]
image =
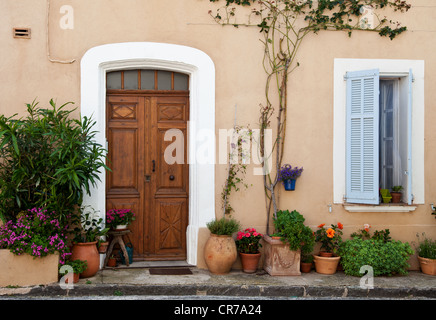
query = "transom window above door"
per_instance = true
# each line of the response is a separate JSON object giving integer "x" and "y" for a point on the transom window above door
{"x": 144, "y": 79}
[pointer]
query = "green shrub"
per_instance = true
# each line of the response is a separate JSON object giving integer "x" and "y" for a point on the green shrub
{"x": 223, "y": 226}
{"x": 289, "y": 226}
{"x": 48, "y": 160}
{"x": 386, "y": 258}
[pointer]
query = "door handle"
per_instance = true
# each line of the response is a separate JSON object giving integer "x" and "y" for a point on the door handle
{"x": 154, "y": 165}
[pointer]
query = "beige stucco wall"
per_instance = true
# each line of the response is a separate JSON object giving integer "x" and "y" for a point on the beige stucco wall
{"x": 27, "y": 73}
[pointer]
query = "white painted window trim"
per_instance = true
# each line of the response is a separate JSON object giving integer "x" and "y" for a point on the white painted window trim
{"x": 132, "y": 55}
{"x": 387, "y": 67}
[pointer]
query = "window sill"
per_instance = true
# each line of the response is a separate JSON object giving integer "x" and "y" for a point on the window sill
{"x": 397, "y": 208}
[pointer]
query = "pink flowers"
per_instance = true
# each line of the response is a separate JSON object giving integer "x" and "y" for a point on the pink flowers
{"x": 116, "y": 217}
{"x": 247, "y": 241}
{"x": 37, "y": 233}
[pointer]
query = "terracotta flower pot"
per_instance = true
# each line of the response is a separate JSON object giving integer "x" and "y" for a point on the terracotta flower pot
{"x": 249, "y": 261}
{"x": 220, "y": 253}
{"x": 87, "y": 251}
{"x": 112, "y": 262}
{"x": 326, "y": 265}
{"x": 326, "y": 254}
{"x": 76, "y": 277}
{"x": 396, "y": 197}
{"x": 103, "y": 247}
{"x": 306, "y": 267}
{"x": 428, "y": 266}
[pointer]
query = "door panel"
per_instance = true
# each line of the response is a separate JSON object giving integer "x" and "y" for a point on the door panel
{"x": 141, "y": 128}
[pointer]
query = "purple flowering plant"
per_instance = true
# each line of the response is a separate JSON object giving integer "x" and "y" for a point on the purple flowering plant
{"x": 287, "y": 172}
{"x": 116, "y": 217}
{"x": 37, "y": 233}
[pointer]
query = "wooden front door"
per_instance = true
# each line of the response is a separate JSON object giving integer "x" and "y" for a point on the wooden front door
{"x": 143, "y": 178}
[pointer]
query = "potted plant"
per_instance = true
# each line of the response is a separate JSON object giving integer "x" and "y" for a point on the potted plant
{"x": 330, "y": 238}
{"x": 386, "y": 195}
{"x": 248, "y": 244}
{"x": 396, "y": 194}
{"x": 32, "y": 246}
{"x": 289, "y": 175}
{"x": 119, "y": 219}
{"x": 427, "y": 255}
{"x": 102, "y": 246}
{"x": 78, "y": 267}
{"x": 282, "y": 256}
{"x": 112, "y": 261}
{"x": 220, "y": 249}
{"x": 87, "y": 233}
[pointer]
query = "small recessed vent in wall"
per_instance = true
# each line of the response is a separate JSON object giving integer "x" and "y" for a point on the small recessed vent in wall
{"x": 23, "y": 33}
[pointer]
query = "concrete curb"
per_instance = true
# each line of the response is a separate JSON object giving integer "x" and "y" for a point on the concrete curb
{"x": 222, "y": 290}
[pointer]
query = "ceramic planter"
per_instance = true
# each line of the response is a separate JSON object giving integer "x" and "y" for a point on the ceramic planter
{"x": 23, "y": 270}
{"x": 249, "y": 261}
{"x": 87, "y": 251}
{"x": 220, "y": 253}
{"x": 396, "y": 197}
{"x": 289, "y": 184}
{"x": 326, "y": 265}
{"x": 121, "y": 227}
{"x": 103, "y": 247}
{"x": 279, "y": 259}
{"x": 428, "y": 266}
{"x": 306, "y": 267}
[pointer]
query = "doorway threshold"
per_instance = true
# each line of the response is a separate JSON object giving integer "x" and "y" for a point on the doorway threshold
{"x": 154, "y": 264}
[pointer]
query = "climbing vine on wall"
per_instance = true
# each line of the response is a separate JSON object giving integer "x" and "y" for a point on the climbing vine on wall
{"x": 284, "y": 24}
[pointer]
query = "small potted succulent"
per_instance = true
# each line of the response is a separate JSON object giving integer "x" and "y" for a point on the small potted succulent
{"x": 288, "y": 176}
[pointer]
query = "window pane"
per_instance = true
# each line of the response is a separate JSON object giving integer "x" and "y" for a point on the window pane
{"x": 113, "y": 80}
{"x": 147, "y": 79}
{"x": 164, "y": 80}
{"x": 131, "y": 80}
{"x": 180, "y": 81}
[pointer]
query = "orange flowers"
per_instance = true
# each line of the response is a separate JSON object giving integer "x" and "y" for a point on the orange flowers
{"x": 330, "y": 238}
{"x": 330, "y": 233}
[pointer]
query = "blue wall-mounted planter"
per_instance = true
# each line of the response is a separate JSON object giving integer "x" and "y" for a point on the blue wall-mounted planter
{"x": 289, "y": 184}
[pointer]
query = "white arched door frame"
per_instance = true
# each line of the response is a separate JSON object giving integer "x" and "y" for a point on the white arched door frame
{"x": 99, "y": 60}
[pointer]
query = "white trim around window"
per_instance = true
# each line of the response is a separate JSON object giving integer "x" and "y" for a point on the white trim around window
{"x": 387, "y": 67}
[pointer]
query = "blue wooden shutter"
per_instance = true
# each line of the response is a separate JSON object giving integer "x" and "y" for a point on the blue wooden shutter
{"x": 409, "y": 196}
{"x": 362, "y": 149}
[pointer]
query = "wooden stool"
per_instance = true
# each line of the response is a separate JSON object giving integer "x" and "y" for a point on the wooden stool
{"x": 117, "y": 238}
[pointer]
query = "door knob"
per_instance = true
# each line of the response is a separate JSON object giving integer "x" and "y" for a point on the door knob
{"x": 171, "y": 177}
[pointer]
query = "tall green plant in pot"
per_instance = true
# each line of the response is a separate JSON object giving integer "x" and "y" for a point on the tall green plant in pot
{"x": 220, "y": 251}
{"x": 49, "y": 159}
{"x": 294, "y": 236}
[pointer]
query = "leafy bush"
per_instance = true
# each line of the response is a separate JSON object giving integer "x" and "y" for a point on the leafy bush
{"x": 386, "y": 258}
{"x": 223, "y": 226}
{"x": 290, "y": 227}
{"x": 48, "y": 160}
